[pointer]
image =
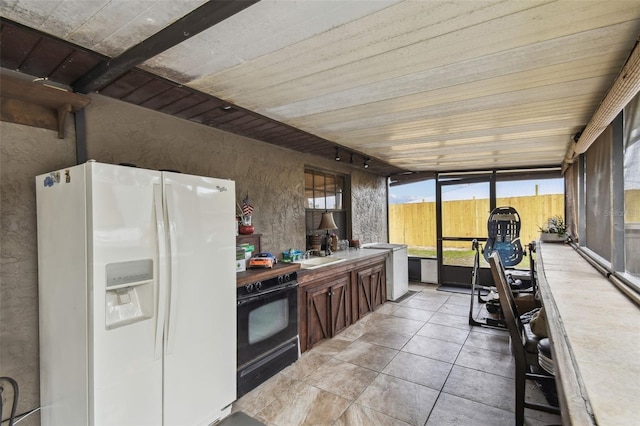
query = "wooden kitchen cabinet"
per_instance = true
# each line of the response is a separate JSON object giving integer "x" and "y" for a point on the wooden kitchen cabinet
{"x": 331, "y": 299}
{"x": 370, "y": 288}
{"x": 328, "y": 307}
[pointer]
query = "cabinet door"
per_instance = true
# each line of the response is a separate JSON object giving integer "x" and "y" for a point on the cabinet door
{"x": 318, "y": 323}
{"x": 365, "y": 297}
{"x": 378, "y": 285}
{"x": 371, "y": 288}
{"x": 327, "y": 310}
{"x": 340, "y": 304}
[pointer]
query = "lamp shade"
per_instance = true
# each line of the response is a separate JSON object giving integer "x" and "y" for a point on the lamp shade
{"x": 327, "y": 221}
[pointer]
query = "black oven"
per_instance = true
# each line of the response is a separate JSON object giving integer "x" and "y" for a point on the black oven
{"x": 267, "y": 329}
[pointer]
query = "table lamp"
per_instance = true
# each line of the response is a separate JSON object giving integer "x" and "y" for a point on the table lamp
{"x": 327, "y": 223}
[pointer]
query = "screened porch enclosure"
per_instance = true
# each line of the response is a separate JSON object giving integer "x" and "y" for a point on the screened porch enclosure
{"x": 596, "y": 194}
{"x": 438, "y": 218}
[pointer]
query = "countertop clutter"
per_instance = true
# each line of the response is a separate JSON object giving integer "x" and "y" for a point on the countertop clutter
{"x": 253, "y": 275}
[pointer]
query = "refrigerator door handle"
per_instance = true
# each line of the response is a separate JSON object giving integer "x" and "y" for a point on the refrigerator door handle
{"x": 173, "y": 280}
{"x": 162, "y": 270}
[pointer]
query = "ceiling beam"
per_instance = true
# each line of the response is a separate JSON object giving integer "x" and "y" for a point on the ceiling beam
{"x": 200, "y": 19}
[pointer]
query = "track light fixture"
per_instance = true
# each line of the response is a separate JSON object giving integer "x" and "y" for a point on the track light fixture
{"x": 337, "y": 154}
{"x": 366, "y": 162}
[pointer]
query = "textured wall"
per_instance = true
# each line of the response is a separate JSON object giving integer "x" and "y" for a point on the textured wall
{"x": 119, "y": 132}
{"x": 25, "y": 152}
{"x": 369, "y": 208}
{"x": 272, "y": 176}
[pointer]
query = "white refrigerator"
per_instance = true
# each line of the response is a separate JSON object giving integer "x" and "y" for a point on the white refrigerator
{"x": 137, "y": 296}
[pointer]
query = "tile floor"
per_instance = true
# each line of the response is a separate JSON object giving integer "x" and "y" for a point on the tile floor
{"x": 416, "y": 362}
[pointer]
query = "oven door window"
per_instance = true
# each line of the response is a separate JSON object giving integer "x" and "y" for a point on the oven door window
{"x": 268, "y": 320}
{"x": 265, "y": 322}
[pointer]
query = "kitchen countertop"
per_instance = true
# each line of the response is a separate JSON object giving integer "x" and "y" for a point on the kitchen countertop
{"x": 354, "y": 258}
{"x": 384, "y": 246}
{"x": 253, "y": 275}
{"x": 355, "y": 254}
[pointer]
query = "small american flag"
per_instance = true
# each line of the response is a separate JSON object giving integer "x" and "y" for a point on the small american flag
{"x": 247, "y": 209}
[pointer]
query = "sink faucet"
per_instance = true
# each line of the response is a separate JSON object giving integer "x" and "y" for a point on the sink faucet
{"x": 307, "y": 254}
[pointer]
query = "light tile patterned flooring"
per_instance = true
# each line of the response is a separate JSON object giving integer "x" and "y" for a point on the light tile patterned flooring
{"x": 416, "y": 362}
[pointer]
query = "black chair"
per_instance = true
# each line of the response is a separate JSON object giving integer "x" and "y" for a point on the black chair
{"x": 520, "y": 341}
{"x": 503, "y": 229}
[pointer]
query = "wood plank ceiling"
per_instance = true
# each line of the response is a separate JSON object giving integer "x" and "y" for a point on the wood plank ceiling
{"x": 417, "y": 86}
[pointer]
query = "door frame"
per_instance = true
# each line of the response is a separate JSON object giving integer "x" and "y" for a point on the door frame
{"x": 460, "y": 275}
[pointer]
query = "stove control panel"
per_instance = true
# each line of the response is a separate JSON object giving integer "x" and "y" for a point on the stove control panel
{"x": 268, "y": 284}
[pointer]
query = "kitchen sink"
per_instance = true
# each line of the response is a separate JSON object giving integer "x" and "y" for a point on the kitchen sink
{"x": 317, "y": 262}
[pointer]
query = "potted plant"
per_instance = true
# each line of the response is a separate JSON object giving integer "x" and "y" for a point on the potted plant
{"x": 554, "y": 230}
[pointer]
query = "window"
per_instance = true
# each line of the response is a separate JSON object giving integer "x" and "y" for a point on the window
{"x": 412, "y": 217}
{"x": 536, "y": 197}
{"x": 598, "y": 195}
{"x": 607, "y": 199}
{"x": 632, "y": 187}
{"x": 325, "y": 191}
{"x": 412, "y": 211}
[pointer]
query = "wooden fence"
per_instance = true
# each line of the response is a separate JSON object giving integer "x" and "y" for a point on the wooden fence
{"x": 632, "y": 206}
{"x": 415, "y": 223}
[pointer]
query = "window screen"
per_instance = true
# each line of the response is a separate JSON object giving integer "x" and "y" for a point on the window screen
{"x": 632, "y": 186}
{"x": 598, "y": 195}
